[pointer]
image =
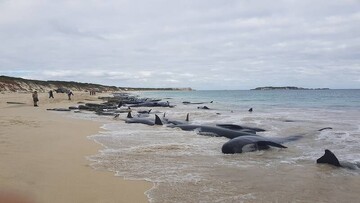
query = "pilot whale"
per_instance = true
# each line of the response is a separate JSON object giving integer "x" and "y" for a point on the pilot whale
{"x": 176, "y": 122}
{"x": 253, "y": 143}
{"x": 214, "y": 130}
{"x": 147, "y": 121}
{"x": 152, "y": 104}
{"x": 330, "y": 158}
{"x": 239, "y": 127}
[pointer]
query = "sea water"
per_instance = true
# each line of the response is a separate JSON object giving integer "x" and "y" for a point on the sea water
{"x": 187, "y": 167}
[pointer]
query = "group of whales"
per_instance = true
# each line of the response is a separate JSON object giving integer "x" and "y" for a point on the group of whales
{"x": 242, "y": 138}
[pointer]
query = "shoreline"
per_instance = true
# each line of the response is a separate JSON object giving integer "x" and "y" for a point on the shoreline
{"x": 44, "y": 155}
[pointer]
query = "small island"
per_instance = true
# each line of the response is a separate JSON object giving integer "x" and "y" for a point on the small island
{"x": 287, "y": 88}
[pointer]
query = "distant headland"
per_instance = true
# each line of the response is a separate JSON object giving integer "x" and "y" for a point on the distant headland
{"x": 14, "y": 84}
{"x": 287, "y": 88}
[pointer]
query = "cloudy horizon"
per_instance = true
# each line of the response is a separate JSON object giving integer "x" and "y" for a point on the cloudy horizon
{"x": 212, "y": 44}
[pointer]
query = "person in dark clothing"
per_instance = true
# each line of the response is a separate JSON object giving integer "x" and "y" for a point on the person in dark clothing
{"x": 35, "y": 98}
{"x": 51, "y": 95}
{"x": 69, "y": 95}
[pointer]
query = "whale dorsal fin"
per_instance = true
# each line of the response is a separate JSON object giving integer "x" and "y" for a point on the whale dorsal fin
{"x": 187, "y": 117}
{"x": 129, "y": 115}
{"x": 328, "y": 158}
{"x": 158, "y": 120}
{"x": 149, "y": 111}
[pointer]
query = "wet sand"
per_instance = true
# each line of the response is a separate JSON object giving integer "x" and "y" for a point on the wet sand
{"x": 43, "y": 155}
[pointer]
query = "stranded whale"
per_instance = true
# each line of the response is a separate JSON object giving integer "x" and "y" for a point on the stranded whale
{"x": 176, "y": 122}
{"x": 253, "y": 143}
{"x": 215, "y": 130}
{"x": 239, "y": 127}
{"x": 147, "y": 121}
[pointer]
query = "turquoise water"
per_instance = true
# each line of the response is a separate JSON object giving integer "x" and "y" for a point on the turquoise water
{"x": 283, "y": 98}
{"x": 187, "y": 167}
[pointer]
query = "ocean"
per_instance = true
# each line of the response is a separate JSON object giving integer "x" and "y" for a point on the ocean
{"x": 187, "y": 167}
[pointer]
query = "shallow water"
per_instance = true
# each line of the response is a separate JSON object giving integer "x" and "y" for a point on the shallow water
{"x": 187, "y": 167}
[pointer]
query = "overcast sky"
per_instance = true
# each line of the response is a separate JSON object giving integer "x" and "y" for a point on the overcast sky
{"x": 203, "y": 44}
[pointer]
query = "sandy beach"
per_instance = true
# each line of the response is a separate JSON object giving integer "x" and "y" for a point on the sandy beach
{"x": 43, "y": 155}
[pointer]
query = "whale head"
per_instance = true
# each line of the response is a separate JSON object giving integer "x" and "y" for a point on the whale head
{"x": 230, "y": 149}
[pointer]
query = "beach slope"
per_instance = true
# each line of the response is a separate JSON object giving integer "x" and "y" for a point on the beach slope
{"x": 43, "y": 155}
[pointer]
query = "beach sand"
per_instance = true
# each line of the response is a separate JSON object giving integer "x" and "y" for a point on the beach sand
{"x": 43, "y": 155}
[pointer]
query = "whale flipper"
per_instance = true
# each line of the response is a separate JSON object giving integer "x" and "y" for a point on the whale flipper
{"x": 328, "y": 158}
{"x": 158, "y": 120}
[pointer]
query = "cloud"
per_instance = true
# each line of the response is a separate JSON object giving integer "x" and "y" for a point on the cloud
{"x": 203, "y": 44}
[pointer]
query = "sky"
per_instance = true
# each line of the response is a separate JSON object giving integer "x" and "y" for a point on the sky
{"x": 202, "y": 44}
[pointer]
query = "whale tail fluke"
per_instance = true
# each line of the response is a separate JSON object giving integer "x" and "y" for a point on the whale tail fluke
{"x": 187, "y": 117}
{"x": 328, "y": 158}
{"x": 158, "y": 120}
{"x": 129, "y": 115}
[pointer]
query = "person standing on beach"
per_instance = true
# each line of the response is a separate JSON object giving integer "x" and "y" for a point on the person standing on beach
{"x": 51, "y": 95}
{"x": 69, "y": 95}
{"x": 35, "y": 98}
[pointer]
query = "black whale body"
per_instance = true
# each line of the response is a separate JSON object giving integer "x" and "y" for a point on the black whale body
{"x": 240, "y": 127}
{"x": 214, "y": 130}
{"x": 176, "y": 122}
{"x": 253, "y": 143}
{"x": 151, "y": 104}
{"x": 147, "y": 121}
